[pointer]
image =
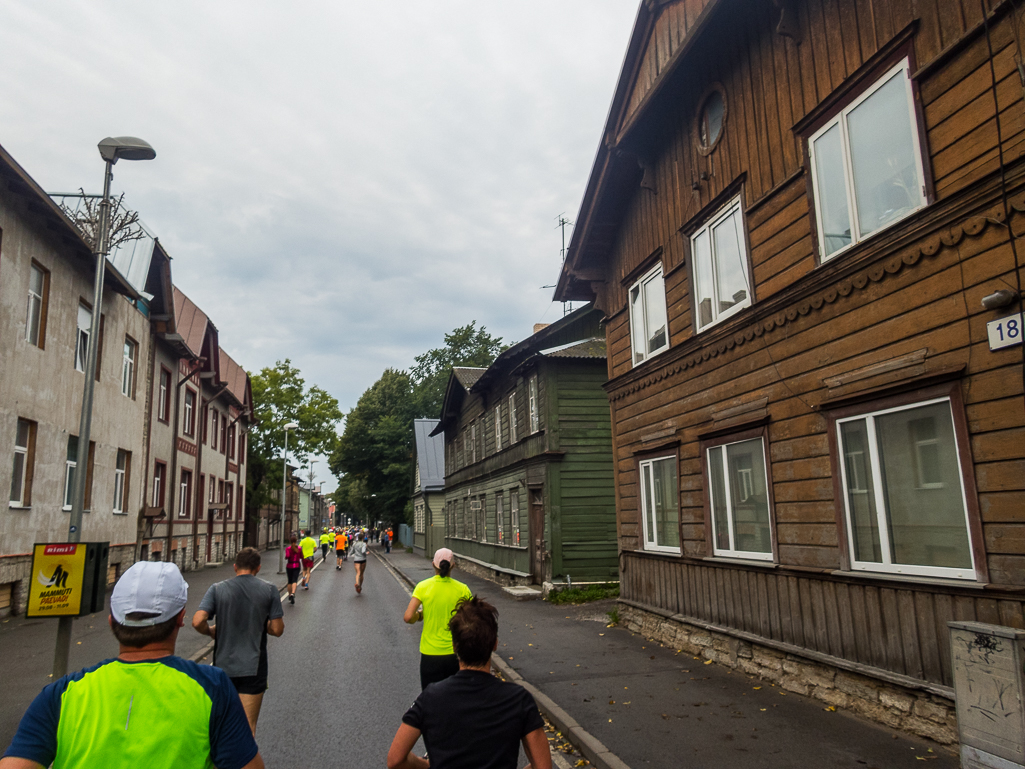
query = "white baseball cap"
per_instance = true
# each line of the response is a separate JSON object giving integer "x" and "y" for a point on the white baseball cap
{"x": 149, "y": 587}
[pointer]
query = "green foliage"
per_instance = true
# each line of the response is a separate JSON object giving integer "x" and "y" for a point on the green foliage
{"x": 613, "y": 615}
{"x": 280, "y": 396}
{"x": 466, "y": 346}
{"x": 584, "y": 594}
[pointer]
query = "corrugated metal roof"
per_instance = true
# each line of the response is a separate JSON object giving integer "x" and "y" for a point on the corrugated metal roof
{"x": 430, "y": 454}
{"x": 468, "y": 376}
{"x": 589, "y": 348}
{"x": 191, "y": 322}
{"x": 234, "y": 376}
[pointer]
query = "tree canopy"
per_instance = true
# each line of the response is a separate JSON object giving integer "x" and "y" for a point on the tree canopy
{"x": 466, "y": 346}
{"x": 280, "y": 396}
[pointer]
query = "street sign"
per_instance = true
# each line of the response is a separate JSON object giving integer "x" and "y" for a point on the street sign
{"x": 1004, "y": 332}
{"x": 68, "y": 579}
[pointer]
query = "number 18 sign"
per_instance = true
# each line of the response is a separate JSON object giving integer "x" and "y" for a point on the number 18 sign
{"x": 1005, "y": 331}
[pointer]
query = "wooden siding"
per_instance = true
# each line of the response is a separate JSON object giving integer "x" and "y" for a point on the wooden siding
{"x": 895, "y": 627}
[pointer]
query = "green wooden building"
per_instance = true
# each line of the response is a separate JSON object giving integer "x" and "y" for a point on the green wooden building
{"x": 529, "y": 493}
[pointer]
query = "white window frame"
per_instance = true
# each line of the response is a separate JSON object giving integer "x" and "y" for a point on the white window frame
{"x": 533, "y": 405}
{"x": 35, "y": 309}
{"x": 731, "y": 209}
{"x": 887, "y": 565}
{"x": 638, "y": 316}
{"x": 26, "y": 458}
{"x": 82, "y": 337}
{"x": 216, "y": 419}
{"x": 650, "y": 542}
{"x": 500, "y": 515}
{"x": 120, "y": 473}
{"x": 189, "y": 413}
{"x": 498, "y": 428}
{"x": 164, "y": 387}
{"x": 732, "y": 551}
{"x": 852, "y": 204}
{"x": 514, "y": 515}
{"x": 473, "y": 442}
{"x": 158, "y": 478}
{"x": 70, "y": 468}
{"x": 128, "y": 367}
{"x": 184, "y": 487}
{"x": 514, "y": 428}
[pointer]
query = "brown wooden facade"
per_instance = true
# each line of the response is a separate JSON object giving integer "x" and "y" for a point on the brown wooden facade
{"x": 894, "y": 319}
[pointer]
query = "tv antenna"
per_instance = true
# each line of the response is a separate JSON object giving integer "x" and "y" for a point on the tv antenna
{"x": 567, "y": 307}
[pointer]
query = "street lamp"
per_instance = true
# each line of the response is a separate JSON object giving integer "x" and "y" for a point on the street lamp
{"x": 284, "y": 494}
{"x": 111, "y": 150}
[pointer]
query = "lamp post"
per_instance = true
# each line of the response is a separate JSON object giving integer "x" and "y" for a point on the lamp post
{"x": 111, "y": 150}
{"x": 284, "y": 496}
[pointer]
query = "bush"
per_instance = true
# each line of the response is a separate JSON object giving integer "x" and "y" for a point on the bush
{"x": 584, "y": 594}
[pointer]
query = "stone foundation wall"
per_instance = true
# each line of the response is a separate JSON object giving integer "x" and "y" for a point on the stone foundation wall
{"x": 490, "y": 574}
{"x": 921, "y": 713}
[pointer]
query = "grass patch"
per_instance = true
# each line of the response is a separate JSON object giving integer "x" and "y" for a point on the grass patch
{"x": 613, "y": 616}
{"x": 584, "y": 594}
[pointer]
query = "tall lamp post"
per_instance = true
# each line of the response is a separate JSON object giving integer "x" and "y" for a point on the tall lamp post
{"x": 284, "y": 496}
{"x": 111, "y": 150}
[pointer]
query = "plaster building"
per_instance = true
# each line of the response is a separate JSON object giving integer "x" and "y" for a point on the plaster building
{"x": 799, "y": 228}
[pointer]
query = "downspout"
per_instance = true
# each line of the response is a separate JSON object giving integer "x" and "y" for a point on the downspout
{"x": 199, "y": 452}
{"x": 147, "y": 431}
{"x": 199, "y": 474}
{"x": 171, "y": 510}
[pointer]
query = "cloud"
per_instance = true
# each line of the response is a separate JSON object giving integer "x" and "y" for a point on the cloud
{"x": 337, "y": 183}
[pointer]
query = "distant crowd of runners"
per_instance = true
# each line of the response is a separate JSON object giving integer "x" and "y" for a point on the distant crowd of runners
{"x": 344, "y": 541}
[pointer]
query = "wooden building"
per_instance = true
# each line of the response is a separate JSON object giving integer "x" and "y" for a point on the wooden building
{"x": 795, "y": 213}
{"x": 428, "y": 488}
{"x": 528, "y": 462}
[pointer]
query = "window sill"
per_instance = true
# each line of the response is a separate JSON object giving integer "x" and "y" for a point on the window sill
{"x": 741, "y": 561}
{"x": 649, "y": 356}
{"x": 20, "y": 507}
{"x": 660, "y": 551}
{"x": 911, "y": 578}
{"x": 119, "y": 512}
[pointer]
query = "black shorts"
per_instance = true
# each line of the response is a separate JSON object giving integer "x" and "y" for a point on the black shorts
{"x": 250, "y": 684}
{"x": 293, "y": 573}
{"x": 437, "y": 667}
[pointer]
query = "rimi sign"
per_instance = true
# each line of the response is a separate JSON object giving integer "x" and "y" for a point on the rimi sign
{"x": 68, "y": 579}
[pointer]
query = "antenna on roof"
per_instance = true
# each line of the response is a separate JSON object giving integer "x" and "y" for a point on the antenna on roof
{"x": 567, "y": 307}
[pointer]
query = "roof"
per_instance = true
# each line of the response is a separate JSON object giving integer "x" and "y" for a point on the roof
{"x": 468, "y": 376}
{"x": 20, "y": 183}
{"x": 430, "y": 454}
{"x": 191, "y": 322}
{"x": 590, "y": 349}
{"x": 234, "y": 377}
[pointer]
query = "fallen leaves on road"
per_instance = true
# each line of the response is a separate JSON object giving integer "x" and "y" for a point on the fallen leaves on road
{"x": 708, "y": 662}
{"x": 831, "y": 708}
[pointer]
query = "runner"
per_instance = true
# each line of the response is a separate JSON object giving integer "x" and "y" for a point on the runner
{"x": 434, "y": 602}
{"x": 359, "y": 558}
{"x": 309, "y": 547}
{"x": 293, "y": 566}
{"x": 339, "y": 549}
{"x": 325, "y": 543}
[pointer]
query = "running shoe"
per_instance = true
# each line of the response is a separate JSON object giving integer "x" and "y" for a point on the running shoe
{"x": 291, "y": 598}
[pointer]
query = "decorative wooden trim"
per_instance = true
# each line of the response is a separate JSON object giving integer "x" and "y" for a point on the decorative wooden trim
{"x": 730, "y": 191}
{"x": 928, "y": 246}
{"x": 755, "y": 205}
{"x": 642, "y": 269}
{"x": 892, "y": 389}
{"x": 187, "y": 446}
{"x": 961, "y": 43}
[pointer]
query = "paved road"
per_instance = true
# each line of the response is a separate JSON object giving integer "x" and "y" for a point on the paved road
{"x": 343, "y": 673}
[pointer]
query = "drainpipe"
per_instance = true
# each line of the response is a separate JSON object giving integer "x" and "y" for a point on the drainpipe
{"x": 199, "y": 469}
{"x": 171, "y": 510}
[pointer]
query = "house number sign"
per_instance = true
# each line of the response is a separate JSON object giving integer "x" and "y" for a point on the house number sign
{"x": 1004, "y": 332}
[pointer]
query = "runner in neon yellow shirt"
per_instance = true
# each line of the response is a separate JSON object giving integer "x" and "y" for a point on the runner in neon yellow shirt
{"x": 309, "y": 547}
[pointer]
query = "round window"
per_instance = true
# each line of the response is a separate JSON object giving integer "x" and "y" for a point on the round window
{"x": 711, "y": 117}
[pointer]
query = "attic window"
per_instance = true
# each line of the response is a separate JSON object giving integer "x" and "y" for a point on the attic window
{"x": 711, "y": 118}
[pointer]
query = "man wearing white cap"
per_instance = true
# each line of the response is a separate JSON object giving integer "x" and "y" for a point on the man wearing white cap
{"x": 433, "y": 603}
{"x": 146, "y": 707}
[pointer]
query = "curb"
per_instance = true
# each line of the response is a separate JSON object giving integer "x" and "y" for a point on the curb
{"x": 590, "y": 746}
{"x": 209, "y": 647}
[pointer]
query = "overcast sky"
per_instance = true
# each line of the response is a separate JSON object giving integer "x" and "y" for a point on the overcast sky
{"x": 339, "y": 183}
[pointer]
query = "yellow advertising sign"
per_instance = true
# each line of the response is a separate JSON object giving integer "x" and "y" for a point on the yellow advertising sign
{"x": 56, "y": 585}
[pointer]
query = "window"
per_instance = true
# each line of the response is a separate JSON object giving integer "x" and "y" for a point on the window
{"x": 473, "y": 442}
{"x": 535, "y": 413}
{"x": 513, "y": 426}
{"x": 239, "y": 501}
{"x": 213, "y": 491}
{"x": 482, "y": 517}
{"x": 712, "y": 113}
{"x": 719, "y": 260}
{"x": 215, "y": 420}
{"x": 867, "y": 164}
{"x": 128, "y": 368}
{"x": 204, "y": 413}
{"x": 648, "y": 328}
{"x": 228, "y": 493}
{"x": 70, "y": 467}
{"x": 904, "y": 497}
{"x": 38, "y": 293}
{"x": 231, "y": 443}
{"x": 242, "y": 448}
{"x": 121, "y": 474}
{"x": 500, "y": 516}
{"x": 85, "y": 319}
{"x": 514, "y": 515}
{"x": 159, "y": 483}
{"x": 185, "y": 494}
{"x": 498, "y": 428}
{"x": 163, "y": 396}
{"x": 660, "y": 504}
{"x": 224, "y": 433}
{"x": 24, "y": 463}
{"x": 739, "y": 500}
{"x": 189, "y": 428}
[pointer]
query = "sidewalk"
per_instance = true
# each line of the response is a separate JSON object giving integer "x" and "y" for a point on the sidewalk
{"x": 27, "y": 645}
{"x": 626, "y": 701}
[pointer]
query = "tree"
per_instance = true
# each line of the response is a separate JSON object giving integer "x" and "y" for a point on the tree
{"x": 280, "y": 396}
{"x": 466, "y": 346}
{"x": 373, "y": 457}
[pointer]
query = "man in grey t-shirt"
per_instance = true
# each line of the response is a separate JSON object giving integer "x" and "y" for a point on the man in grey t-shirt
{"x": 246, "y": 609}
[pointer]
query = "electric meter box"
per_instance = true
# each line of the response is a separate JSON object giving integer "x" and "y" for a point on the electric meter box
{"x": 989, "y": 688}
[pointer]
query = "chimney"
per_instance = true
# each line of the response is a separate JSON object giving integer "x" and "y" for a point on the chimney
{"x": 540, "y": 326}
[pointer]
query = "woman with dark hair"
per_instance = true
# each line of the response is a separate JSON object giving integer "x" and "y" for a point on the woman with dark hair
{"x": 293, "y": 565}
{"x": 472, "y": 718}
{"x": 359, "y": 558}
{"x": 433, "y": 603}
